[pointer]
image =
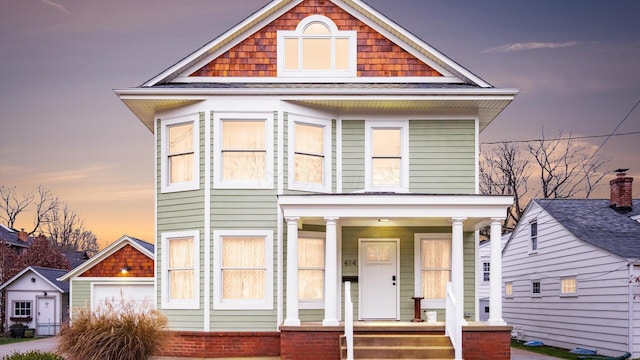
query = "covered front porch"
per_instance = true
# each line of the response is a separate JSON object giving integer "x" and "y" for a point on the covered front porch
{"x": 393, "y": 248}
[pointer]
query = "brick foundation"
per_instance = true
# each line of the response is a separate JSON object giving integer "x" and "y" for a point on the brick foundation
{"x": 486, "y": 342}
{"x": 317, "y": 343}
{"x": 193, "y": 344}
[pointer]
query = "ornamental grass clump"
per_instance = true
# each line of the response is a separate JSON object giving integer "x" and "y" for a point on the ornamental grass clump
{"x": 123, "y": 330}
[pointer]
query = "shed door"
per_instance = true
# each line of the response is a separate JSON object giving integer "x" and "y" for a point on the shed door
{"x": 46, "y": 316}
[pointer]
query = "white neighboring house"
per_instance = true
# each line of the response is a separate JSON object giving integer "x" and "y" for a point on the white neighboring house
{"x": 36, "y": 299}
{"x": 567, "y": 272}
{"x": 483, "y": 269}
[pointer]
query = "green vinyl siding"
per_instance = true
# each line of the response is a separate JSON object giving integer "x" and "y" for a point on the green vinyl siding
{"x": 352, "y": 155}
{"x": 81, "y": 294}
{"x": 442, "y": 156}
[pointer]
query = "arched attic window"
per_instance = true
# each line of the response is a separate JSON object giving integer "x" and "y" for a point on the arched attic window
{"x": 317, "y": 49}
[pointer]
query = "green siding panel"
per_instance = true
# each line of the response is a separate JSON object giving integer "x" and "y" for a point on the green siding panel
{"x": 352, "y": 155}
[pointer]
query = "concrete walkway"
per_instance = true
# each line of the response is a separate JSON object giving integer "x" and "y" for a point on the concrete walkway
{"x": 50, "y": 344}
{"x": 43, "y": 344}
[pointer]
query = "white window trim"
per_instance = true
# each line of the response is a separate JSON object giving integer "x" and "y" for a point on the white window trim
{"x": 166, "y": 302}
{"x": 573, "y": 294}
{"x": 194, "y": 184}
{"x": 535, "y": 295}
{"x": 531, "y": 250}
{"x": 483, "y": 271}
{"x": 319, "y": 303}
{"x": 15, "y": 302}
{"x": 404, "y": 154}
{"x": 325, "y": 187}
{"x": 218, "y": 182}
{"x": 352, "y": 71}
{"x": 417, "y": 252}
{"x": 262, "y": 304}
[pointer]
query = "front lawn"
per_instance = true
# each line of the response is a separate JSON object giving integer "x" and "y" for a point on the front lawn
{"x": 553, "y": 351}
{"x": 9, "y": 340}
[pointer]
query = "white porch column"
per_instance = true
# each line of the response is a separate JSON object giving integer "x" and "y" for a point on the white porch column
{"x": 292, "y": 317}
{"x": 331, "y": 274}
{"x": 457, "y": 265}
{"x": 495, "y": 275}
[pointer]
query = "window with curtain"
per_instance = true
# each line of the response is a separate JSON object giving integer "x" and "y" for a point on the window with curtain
{"x": 243, "y": 268}
{"x": 179, "y": 166}
{"x": 508, "y": 289}
{"x": 435, "y": 267}
{"x": 181, "y": 153}
{"x": 386, "y": 157}
{"x": 311, "y": 268}
{"x": 243, "y": 150}
{"x": 317, "y": 48}
{"x": 309, "y": 155}
{"x": 181, "y": 268}
{"x": 180, "y": 277}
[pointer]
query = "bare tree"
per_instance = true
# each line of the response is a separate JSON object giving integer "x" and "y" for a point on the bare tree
{"x": 505, "y": 170}
{"x": 66, "y": 230}
{"x": 566, "y": 168}
{"x": 563, "y": 166}
{"x": 44, "y": 203}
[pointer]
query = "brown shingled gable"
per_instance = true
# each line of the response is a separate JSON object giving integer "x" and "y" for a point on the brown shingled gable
{"x": 140, "y": 265}
{"x": 256, "y": 56}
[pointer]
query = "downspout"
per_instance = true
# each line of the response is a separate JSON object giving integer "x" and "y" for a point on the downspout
{"x": 630, "y": 264}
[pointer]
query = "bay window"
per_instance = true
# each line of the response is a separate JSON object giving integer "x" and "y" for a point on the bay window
{"x": 309, "y": 154}
{"x": 179, "y": 168}
{"x": 180, "y": 267}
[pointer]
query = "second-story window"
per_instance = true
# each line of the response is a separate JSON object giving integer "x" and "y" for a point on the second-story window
{"x": 179, "y": 168}
{"x": 243, "y": 151}
{"x": 309, "y": 154}
{"x": 387, "y": 157}
{"x": 317, "y": 48}
{"x": 486, "y": 275}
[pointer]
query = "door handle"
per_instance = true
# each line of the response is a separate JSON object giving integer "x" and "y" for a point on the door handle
{"x": 393, "y": 278}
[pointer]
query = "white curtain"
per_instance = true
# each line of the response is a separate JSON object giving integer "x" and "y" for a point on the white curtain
{"x": 386, "y": 152}
{"x": 243, "y": 150}
{"x": 309, "y": 154}
{"x": 243, "y": 268}
{"x": 181, "y": 271}
{"x": 311, "y": 268}
{"x": 436, "y": 267}
{"x": 181, "y": 153}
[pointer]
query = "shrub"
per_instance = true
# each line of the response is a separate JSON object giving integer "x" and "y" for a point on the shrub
{"x": 33, "y": 355}
{"x": 122, "y": 330}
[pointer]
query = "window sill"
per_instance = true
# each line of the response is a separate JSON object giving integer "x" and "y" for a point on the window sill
{"x": 21, "y": 318}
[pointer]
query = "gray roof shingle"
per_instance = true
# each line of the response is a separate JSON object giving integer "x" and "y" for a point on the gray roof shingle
{"x": 593, "y": 221}
{"x": 52, "y": 275}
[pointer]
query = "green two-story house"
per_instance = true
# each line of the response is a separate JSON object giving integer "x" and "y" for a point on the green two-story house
{"x": 317, "y": 142}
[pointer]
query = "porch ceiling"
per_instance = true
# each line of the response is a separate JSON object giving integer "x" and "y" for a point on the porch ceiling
{"x": 399, "y": 209}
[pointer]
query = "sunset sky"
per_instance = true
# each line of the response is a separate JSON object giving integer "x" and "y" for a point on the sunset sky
{"x": 576, "y": 62}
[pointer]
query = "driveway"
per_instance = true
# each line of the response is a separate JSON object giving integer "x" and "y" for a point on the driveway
{"x": 43, "y": 344}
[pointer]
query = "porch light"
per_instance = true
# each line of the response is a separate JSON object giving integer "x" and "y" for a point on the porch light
{"x": 383, "y": 220}
{"x": 125, "y": 269}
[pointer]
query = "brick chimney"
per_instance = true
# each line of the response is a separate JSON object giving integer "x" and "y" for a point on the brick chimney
{"x": 23, "y": 236}
{"x": 621, "y": 191}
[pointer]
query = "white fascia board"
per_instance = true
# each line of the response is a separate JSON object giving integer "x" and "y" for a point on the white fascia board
{"x": 440, "y": 56}
{"x": 202, "y": 93}
{"x": 321, "y": 80}
{"x": 188, "y": 61}
{"x": 402, "y": 206}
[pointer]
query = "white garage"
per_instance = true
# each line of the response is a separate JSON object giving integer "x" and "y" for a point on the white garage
{"x": 116, "y": 293}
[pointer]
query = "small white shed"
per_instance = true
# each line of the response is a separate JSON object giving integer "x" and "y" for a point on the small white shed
{"x": 35, "y": 298}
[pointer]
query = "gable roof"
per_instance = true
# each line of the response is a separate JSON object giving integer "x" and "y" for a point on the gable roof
{"x": 457, "y": 88}
{"x": 48, "y": 274}
{"x": 140, "y": 245}
{"x": 594, "y": 222}
{"x": 10, "y": 236}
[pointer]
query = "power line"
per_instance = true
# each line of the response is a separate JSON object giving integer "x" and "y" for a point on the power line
{"x": 562, "y": 138}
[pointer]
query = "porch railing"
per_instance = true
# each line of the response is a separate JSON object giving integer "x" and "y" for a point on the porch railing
{"x": 348, "y": 319}
{"x": 453, "y": 327}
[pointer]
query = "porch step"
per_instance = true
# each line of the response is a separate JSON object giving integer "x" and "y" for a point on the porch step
{"x": 387, "y": 346}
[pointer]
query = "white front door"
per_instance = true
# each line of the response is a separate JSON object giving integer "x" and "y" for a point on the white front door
{"x": 378, "y": 280}
{"x": 46, "y": 316}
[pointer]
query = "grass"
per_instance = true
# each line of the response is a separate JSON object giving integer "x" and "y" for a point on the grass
{"x": 4, "y": 340}
{"x": 552, "y": 351}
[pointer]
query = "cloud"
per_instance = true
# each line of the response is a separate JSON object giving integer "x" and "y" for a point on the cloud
{"x": 530, "y": 46}
{"x": 56, "y": 5}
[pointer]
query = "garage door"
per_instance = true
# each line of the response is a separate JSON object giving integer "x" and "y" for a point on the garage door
{"x": 116, "y": 294}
